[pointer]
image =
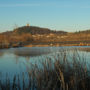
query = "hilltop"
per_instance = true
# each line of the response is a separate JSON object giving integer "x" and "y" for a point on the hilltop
{"x": 33, "y": 30}
{"x": 36, "y": 30}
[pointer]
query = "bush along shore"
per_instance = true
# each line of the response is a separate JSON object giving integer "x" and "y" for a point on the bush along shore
{"x": 38, "y": 44}
{"x": 10, "y": 45}
{"x": 68, "y": 71}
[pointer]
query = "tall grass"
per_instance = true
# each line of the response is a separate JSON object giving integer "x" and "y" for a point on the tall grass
{"x": 68, "y": 71}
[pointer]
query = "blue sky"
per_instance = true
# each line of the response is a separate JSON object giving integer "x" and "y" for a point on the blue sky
{"x": 67, "y": 15}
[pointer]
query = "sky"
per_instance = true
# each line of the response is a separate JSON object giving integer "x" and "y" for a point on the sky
{"x": 67, "y": 15}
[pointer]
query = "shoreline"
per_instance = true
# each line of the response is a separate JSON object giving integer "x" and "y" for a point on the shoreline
{"x": 45, "y": 45}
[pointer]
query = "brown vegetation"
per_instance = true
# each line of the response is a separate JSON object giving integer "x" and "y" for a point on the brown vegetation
{"x": 62, "y": 74}
{"x": 35, "y": 36}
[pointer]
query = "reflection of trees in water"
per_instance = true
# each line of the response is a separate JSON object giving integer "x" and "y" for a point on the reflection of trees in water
{"x": 1, "y": 53}
{"x": 27, "y": 63}
{"x": 17, "y": 56}
{"x": 16, "y": 59}
{"x": 85, "y": 49}
{"x": 24, "y": 52}
{"x": 27, "y": 58}
{"x": 22, "y": 61}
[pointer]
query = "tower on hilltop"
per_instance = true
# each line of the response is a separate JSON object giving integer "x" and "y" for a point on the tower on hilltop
{"x": 28, "y": 25}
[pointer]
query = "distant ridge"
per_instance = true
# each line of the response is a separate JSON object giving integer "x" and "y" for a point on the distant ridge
{"x": 36, "y": 30}
{"x": 85, "y": 31}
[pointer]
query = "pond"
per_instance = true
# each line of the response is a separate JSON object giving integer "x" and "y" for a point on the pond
{"x": 15, "y": 61}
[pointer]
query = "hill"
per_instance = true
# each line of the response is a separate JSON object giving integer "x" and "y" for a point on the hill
{"x": 33, "y": 36}
{"x": 36, "y": 30}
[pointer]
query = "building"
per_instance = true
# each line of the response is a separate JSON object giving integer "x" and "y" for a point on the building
{"x": 28, "y": 25}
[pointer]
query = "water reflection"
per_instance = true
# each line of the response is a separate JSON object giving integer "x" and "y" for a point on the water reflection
{"x": 16, "y": 61}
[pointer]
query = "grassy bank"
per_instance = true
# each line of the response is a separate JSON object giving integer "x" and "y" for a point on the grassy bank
{"x": 50, "y": 44}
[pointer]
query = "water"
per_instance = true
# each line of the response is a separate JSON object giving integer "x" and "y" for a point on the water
{"x": 15, "y": 61}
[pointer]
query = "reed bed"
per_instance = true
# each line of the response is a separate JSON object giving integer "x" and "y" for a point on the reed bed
{"x": 68, "y": 71}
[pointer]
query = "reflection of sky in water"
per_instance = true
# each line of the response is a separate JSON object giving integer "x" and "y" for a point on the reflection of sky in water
{"x": 16, "y": 61}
